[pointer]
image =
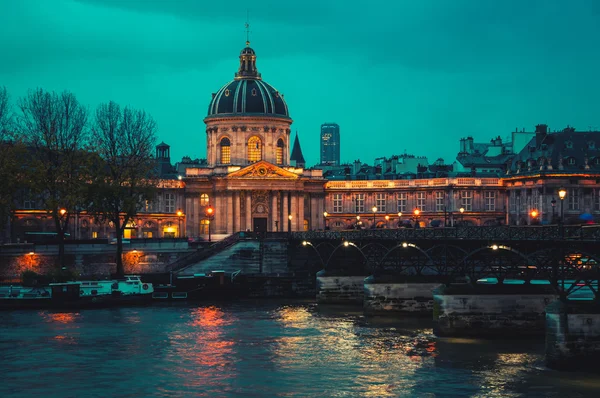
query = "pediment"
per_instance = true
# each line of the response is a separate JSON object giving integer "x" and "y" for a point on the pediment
{"x": 263, "y": 170}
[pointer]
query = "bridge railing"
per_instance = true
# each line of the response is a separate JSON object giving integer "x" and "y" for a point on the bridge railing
{"x": 500, "y": 233}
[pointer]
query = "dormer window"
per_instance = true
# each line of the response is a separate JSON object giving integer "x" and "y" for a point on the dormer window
{"x": 571, "y": 162}
{"x": 254, "y": 92}
{"x": 591, "y": 145}
{"x": 227, "y": 92}
{"x": 569, "y": 144}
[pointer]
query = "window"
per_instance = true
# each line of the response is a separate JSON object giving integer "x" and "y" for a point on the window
{"x": 402, "y": 198}
{"x": 421, "y": 201}
{"x": 148, "y": 206}
{"x": 169, "y": 203}
{"x": 147, "y": 234}
{"x": 440, "y": 201}
{"x": 359, "y": 203}
{"x": 466, "y": 200}
{"x": 279, "y": 153}
{"x": 204, "y": 200}
{"x": 204, "y": 227}
{"x": 380, "y": 202}
{"x": 225, "y": 151}
{"x": 490, "y": 200}
{"x": 254, "y": 149}
{"x": 568, "y": 144}
{"x": 305, "y": 225}
{"x": 573, "y": 199}
{"x": 94, "y": 234}
{"x": 512, "y": 202}
{"x": 337, "y": 202}
{"x": 591, "y": 145}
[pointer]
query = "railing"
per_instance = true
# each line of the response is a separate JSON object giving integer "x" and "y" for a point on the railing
{"x": 500, "y": 233}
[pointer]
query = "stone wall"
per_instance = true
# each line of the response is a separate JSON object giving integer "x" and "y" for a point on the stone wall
{"x": 490, "y": 311}
{"x": 339, "y": 289}
{"x": 395, "y": 297}
{"x": 573, "y": 336}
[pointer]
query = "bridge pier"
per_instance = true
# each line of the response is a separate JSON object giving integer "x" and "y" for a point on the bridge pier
{"x": 573, "y": 335}
{"x": 491, "y": 310}
{"x": 384, "y": 295}
{"x": 333, "y": 288}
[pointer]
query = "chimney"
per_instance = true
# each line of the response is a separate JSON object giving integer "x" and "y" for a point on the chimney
{"x": 541, "y": 130}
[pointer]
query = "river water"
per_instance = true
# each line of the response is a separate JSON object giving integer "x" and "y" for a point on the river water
{"x": 262, "y": 349}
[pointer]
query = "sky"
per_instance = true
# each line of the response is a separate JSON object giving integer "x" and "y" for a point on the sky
{"x": 397, "y": 76}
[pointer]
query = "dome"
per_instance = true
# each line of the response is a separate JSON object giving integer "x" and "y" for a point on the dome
{"x": 248, "y": 94}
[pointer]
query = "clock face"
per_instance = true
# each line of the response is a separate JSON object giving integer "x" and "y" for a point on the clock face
{"x": 262, "y": 171}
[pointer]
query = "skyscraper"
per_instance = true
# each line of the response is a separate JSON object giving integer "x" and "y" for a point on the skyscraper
{"x": 330, "y": 144}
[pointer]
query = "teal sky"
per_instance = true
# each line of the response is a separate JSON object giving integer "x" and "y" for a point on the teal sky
{"x": 397, "y": 76}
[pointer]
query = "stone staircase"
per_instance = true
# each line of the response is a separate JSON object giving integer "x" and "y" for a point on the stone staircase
{"x": 274, "y": 256}
{"x": 242, "y": 256}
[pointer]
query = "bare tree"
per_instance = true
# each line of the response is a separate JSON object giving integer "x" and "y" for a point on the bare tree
{"x": 124, "y": 140}
{"x": 55, "y": 127}
{"x": 10, "y": 168}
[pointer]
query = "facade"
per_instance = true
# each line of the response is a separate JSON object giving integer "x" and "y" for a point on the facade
{"x": 330, "y": 144}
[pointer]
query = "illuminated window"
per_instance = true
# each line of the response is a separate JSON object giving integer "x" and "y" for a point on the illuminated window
{"x": 359, "y": 203}
{"x": 421, "y": 201}
{"x": 306, "y": 225}
{"x": 147, "y": 234}
{"x": 402, "y": 198}
{"x": 225, "y": 151}
{"x": 204, "y": 200}
{"x": 440, "y": 201}
{"x": 279, "y": 153}
{"x": 204, "y": 227}
{"x": 380, "y": 202}
{"x": 466, "y": 200}
{"x": 254, "y": 149}
{"x": 490, "y": 200}
{"x": 94, "y": 234}
{"x": 338, "y": 202}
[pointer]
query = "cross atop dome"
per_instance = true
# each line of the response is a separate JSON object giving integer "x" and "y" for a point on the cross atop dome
{"x": 247, "y": 68}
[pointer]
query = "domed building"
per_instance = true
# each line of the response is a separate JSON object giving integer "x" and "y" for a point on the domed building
{"x": 252, "y": 180}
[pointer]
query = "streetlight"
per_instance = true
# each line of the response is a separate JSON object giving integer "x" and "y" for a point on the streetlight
{"x": 374, "y": 209}
{"x": 325, "y": 214}
{"x": 562, "y": 194}
{"x": 387, "y": 219}
{"x": 179, "y": 216}
{"x": 290, "y": 223}
{"x": 533, "y": 213}
{"x": 399, "y": 218}
{"x": 209, "y": 214}
{"x": 357, "y": 222}
{"x": 553, "y": 203}
{"x": 462, "y": 215}
{"x": 417, "y": 213}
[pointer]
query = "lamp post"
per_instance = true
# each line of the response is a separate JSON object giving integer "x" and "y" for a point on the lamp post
{"x": 290, "y": 223}
{"x": 209, "y": 214}
{"x": 374, "y": 210}
{"x": 533, "y": 213}
{"x": 417, "y": 214}
{"x": 387, "y": 220}
{"x": 399, "y": 218}
{"x": 325, "y": 214}
{"x": 553, "y": 203}
{"x": 562, "y": 194}
{"x": 179, "y": 215}
{"x": 462, "y": 215}
{"x": 357, "y": 222}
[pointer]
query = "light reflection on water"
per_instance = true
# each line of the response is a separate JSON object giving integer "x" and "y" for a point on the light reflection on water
{"x": 261, "y": 349}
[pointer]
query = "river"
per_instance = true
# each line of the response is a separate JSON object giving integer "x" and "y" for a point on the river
{"x": 263, "y": 349}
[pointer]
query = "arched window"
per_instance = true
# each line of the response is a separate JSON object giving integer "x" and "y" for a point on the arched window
{"x": 204, "y": 200}
{"x": 204, "y": 227}
{"x": 254, "y": 149}
{"x": 279, "y": 154}
{"x": 225, "y": 151}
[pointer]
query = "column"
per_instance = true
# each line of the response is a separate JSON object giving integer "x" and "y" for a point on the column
{"x": 284, "y": 212}
{"x": 294, "y": 209}
{"x": 248, "y": 210}
{"x": 229, "y": 212}
{"x": 274, "y": 212}
{"x": 314, "y": 222}
{"x": 237, "y": 216}
{"x": 300, "y": 211}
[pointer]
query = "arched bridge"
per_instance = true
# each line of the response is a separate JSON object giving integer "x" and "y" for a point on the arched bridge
{"x": 568, "y": 258}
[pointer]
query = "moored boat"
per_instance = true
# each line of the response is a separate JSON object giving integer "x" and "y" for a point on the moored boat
{"x": 78, "y": 294}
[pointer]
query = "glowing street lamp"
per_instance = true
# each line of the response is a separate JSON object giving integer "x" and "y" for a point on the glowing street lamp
{"x": 209, "y": 214}
{"x": 179, "y": 216}
{"x": 387, "y": 219}
{"x": 562, "y": 194}
{"x": 374, "y": 210}
{"x": 417, "y": 214}
{"x": 399, "y": 218}
{"x": 325, "y": 214}
{"x": 290, "y": 223}
{"x": 533, "y": 213}
{"x": 462, "y": 215}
